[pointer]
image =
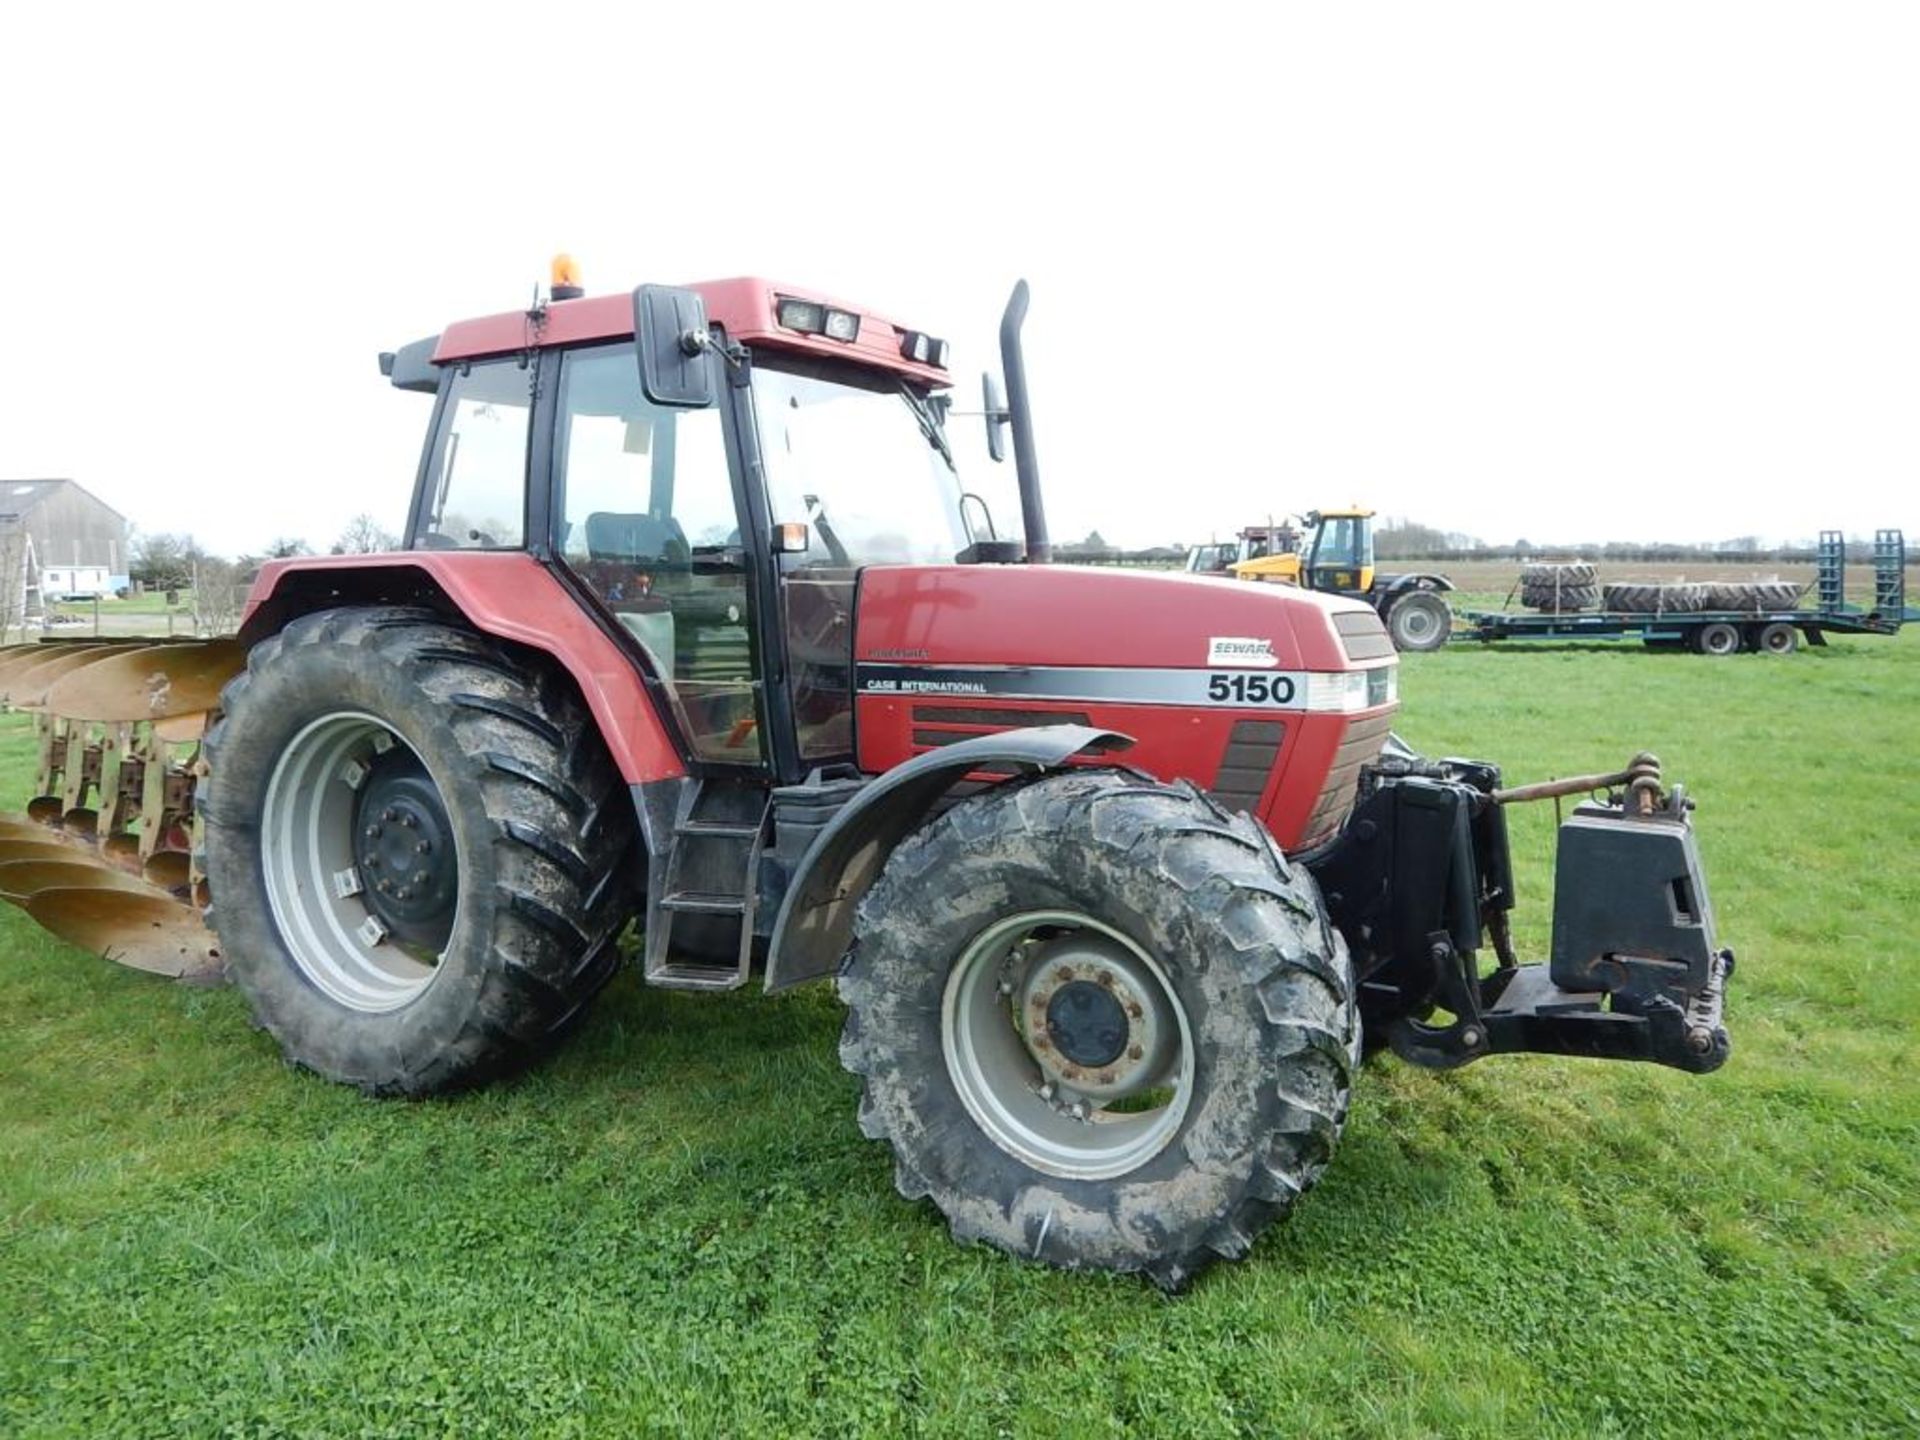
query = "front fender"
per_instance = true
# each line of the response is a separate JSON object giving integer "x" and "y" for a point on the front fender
{"x": 815, "y": 923}
{"x": 1396, "y": 585}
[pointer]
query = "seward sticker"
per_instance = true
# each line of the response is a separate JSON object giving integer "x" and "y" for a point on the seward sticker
{"x": 1239, "y": 650}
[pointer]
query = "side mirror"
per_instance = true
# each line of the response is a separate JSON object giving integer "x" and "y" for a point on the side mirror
{"x": 790, "y": 537}
{"x": 670, "y": 334}
{"x": 994, "y": 405}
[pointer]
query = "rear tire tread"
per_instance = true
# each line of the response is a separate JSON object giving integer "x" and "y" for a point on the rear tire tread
{"x": 532, "y": 761}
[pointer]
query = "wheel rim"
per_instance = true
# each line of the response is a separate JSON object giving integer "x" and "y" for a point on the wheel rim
{"x": 1067, "y": 1044}
{"x": 1720, "y": 640}
{"x": 366, "y": 916}
{"x": 1416, "y": 623}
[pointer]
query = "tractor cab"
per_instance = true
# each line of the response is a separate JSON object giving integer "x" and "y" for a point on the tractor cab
{"x": 1338, "y": 552}
{"x": 716, "y": 524}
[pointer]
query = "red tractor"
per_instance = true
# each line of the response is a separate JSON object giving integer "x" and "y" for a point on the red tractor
{"x": 1118, "y": 874}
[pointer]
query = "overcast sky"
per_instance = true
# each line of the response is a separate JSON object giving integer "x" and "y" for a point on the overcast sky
{"x": 1634, "y": 271}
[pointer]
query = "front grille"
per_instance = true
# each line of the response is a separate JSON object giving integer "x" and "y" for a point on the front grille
{"x": 1251, "y": 751}
{"x": 1360, "y": 745}
{"x": 970, "y": 721}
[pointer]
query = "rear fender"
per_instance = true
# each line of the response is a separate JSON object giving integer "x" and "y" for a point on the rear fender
{"x": 815, "y": 923}
{"x": 508, "y": 594}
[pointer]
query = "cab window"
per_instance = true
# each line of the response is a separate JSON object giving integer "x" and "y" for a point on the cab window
{"x": 479, "y": 477}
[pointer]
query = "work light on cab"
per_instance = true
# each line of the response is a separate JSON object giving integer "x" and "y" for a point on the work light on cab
{"x": 810, "y": 317}
{"x": 923, "y": 349}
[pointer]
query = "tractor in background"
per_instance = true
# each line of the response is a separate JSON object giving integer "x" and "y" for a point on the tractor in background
{"x": 1333, "y": 553}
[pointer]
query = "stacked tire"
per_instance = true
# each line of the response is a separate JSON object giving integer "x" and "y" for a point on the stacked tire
{"x": 1558, "y": 589}
{"x": 1755, "y": 596}
{"x": 1680, "y": 598}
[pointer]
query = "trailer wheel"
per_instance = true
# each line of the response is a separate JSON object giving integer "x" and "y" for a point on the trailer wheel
{"x": 1779, "y": 638}
{"x": 1419, "y": 620}
{"x": 1717, "y": 638}
{"x": 418, "y": 850}
{"x": 1102, "y": 1024}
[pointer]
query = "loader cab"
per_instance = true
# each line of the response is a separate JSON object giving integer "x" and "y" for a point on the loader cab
{"x": 719, "y": 544}
{"x": 1339, "y": 551}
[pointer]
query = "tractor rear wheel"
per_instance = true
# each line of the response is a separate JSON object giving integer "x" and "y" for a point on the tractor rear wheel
{"x": 1102, "y": 1024}
{"x": 417, "y": 848}
{"x": 1419, "y": 620}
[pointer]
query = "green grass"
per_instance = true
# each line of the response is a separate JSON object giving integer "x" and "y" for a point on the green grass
{"x": 674, "y": 1226}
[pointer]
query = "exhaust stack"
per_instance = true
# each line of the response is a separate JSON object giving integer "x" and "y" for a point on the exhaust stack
{"x": 1033, "y": 514}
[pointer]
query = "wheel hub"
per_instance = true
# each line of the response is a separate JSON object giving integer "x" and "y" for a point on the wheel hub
{"x": 403, "y": 849}
{"x": 1095, "y": 1018}
{"x": 1087, "y": 1024}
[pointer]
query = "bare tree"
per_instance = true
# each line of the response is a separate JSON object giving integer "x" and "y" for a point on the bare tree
{"x": 162, "y": 560}
{"x": 285, "y": 547}
{"x": 217, "y": 595}
{"x": 365, "y": 536}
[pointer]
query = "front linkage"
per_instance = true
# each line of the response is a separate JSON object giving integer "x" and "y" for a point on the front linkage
{"x": 1420, "y": 880}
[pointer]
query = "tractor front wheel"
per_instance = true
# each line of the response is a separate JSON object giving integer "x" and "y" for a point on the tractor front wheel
{"x": 1102, "y": 1024}
{"x": 1419, "y": 620}
{"x": 417, "y": 849}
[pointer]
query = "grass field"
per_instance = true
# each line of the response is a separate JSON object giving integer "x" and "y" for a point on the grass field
{"x": 674, "y": 1226}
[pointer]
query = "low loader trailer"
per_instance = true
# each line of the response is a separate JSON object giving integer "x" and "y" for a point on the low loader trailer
{"x": 700, "y": 659}
{"x": 1765, "y": 630}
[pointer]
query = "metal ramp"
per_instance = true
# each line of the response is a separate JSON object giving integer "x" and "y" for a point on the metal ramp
{"x": 1830, "y": 574}
{"x": 1890, "y": 574}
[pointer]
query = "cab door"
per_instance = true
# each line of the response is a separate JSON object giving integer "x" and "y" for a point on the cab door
{"x": 647, "y": 515}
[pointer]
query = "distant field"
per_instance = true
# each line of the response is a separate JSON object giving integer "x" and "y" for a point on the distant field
{"x": 674, "y": 1227}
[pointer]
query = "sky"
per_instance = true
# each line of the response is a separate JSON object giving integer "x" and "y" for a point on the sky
{"x": 1633, "y": 271}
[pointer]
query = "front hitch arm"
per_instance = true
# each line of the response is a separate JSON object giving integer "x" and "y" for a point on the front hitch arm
{"x": 1421, "y": 880}
{"x": 1635, "y": 971}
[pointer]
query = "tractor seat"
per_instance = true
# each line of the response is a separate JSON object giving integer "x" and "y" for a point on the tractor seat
{"x": 636, "y": 539}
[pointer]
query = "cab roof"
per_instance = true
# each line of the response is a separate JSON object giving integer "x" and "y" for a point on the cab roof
{"x": 743, "y": 306}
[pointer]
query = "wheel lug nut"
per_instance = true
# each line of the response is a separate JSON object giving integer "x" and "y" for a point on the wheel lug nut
{"x": 1106, "y": 978}
{"x": 409, "y": 819}
{"x": 1135, "y": 1052}
{"x": 373, "y": 832}
{"x": 1063, "y": 974}
{"x": 1041, "y": 1042}
{"x": 389, "y": 815}
{"x": 1106, "y": 1077}
{"x": 422, "y": 847}
{"x": 403, "y": 893}
{"x": 1072, "y": 1072}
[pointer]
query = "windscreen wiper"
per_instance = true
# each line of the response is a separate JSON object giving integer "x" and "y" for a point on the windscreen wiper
{"x": 929, "y": 427}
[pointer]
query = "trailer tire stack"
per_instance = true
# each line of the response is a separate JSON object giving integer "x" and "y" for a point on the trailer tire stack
{"x": 1558, "y": 589}
{"x": 1756, "y": 596}
{"x": 1675, "y": 599}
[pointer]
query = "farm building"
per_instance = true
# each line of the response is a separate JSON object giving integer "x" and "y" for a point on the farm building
{"x": 56, "y": 540}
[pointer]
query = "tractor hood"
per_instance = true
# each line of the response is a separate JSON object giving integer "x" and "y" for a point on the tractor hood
{"x": 1268, "y": 697}
{"x": 1059, "y": 615}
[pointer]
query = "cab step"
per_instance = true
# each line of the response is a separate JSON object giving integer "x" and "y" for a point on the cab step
{"x": 705, "y": 841}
